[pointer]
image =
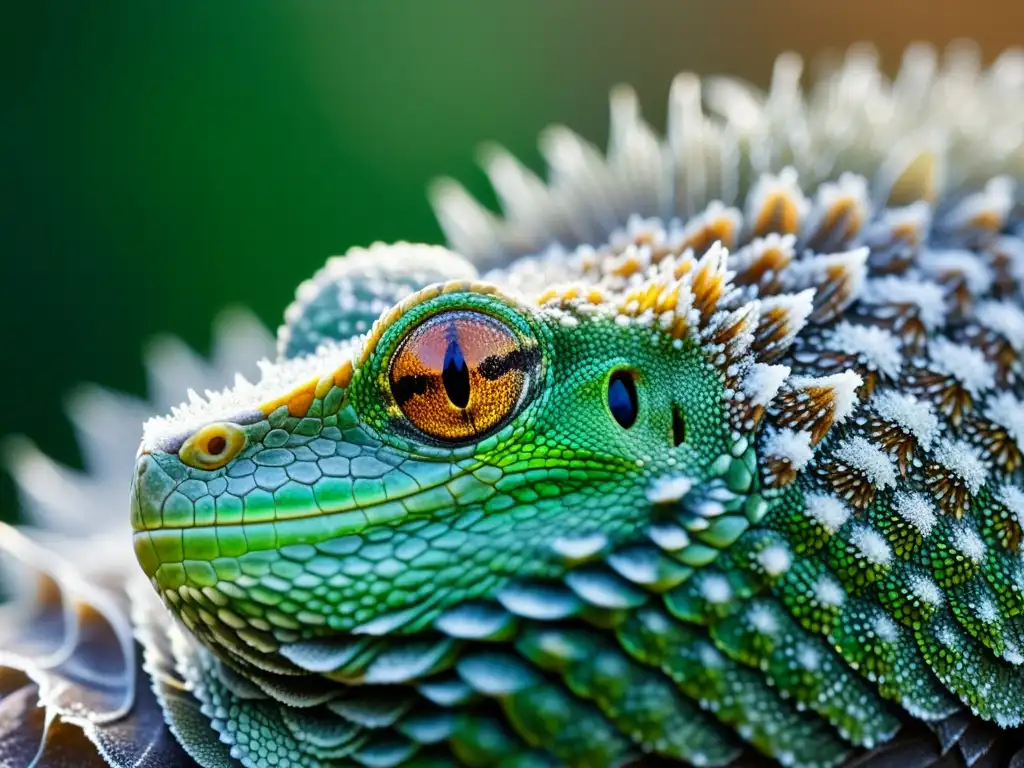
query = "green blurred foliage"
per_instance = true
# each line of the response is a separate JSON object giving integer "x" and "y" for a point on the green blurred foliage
{"x": 161, "y": 160}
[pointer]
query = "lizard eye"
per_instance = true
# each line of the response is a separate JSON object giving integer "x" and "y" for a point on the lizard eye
{"x": 460, "y": 373}
{"x": 213, "y": 446}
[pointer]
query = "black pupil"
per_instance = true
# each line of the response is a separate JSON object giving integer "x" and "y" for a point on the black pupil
{"x": 622, "y": 398}
{"x": 455, "y": 374}
{"x": 216, "y": 446}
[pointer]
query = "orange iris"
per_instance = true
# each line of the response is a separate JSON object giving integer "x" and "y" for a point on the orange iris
{"x": 459, "y": 374}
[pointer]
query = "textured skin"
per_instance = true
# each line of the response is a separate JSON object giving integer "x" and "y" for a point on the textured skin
{"x": 805, "y": 550}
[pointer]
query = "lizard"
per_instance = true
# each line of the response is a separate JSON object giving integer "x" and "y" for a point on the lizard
{"x": 707, "y": 452}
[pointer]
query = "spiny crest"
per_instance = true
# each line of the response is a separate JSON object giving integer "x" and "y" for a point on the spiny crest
{"x": 733, "y": 146}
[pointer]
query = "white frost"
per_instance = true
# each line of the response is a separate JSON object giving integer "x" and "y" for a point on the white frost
{"x": 885, "y": 629}
{"x": 665, "y": 490}
{"x": 917, "y": 510}
{"x": 962, "y": 459}
{"x": 763, "y": 620}
{"x": 844, "y": 390}
{"x": 969, "y": 543}
{"x": 916, "y": 417}
{"x": 827, "y": 510}
{"x": 793, "y": 446}
{"x": 965, "y": 364}
{"x": 245, "y": 398}
{"x": 828, "y": 591}
{"x": 763, "y": 381}
{"x": 871, "y": 545}
{"x": 1008, "y": 412}
{"x": 1005, "y": 318}
{"x": 877, "y": 467}
{"x": 1012, "y": 497}
{"x": 715, "y": 589}
{"x": 775, "y": 560}
{"x": 942, "y": 263}
{"x": 928, "y": 297}
{"x": 875, "y": 347}
{"x": 926, "y": 590}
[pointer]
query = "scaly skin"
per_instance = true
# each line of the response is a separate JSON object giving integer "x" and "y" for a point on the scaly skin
{"x": 788, "y": 552}
{"x": 712, "y": 487}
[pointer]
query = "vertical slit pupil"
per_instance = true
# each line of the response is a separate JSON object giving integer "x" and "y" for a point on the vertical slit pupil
{"x": 678, "y": 427}
{"x": 622, "y": 400}
{"x": 455, "y": 374}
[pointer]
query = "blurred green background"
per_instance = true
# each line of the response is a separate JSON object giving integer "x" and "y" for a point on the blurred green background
{"x": 160, "y": 160}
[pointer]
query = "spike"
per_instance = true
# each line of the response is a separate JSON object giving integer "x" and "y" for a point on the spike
{"x": 961, "y": 273}
{"x": 977, "y": 219}
{"x": 896, "y": 236}
{"x": 733, "y": 332}
{"x": 815, "y": 404}
{"x": 954, "y": 474}
{"x": 762, "y": 261}
{"x": 710, "y": 281}
{"x": 784, "y": 452}
{"x": 781, "y": 320}
{"x": 840, "y": 209}
{"x": 717, "y": 224}
{"x": 837, "y": 279}
{"x": 469, "y": 228}
{"x": 760, "y": 385}
{"x": 856, "y": 470}
{"x": 776, "y": 203}
{"x": 910, "y": 174}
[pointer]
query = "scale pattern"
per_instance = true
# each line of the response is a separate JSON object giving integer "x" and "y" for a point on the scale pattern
{"x": 842, "y": 584}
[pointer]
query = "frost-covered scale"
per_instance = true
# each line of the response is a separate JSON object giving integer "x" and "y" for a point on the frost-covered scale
{"x": 707, "y": 451}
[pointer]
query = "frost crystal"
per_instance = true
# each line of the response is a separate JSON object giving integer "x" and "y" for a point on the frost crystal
{"x": 917, "y": 510}
{"x": 762, "y": 619}
{"x": 927, "y": 297}
{"x": 715, "y": 589}
{"x": 926, "y": 590}
{"x": 872, "y": 545}
{"x": 1008, "y": 412}
{"x": 1012, "y": 497}
{"x": 665, "y": 490}
{"x": 877, "y": 467}
{"x": 962, "y": 459}
{"x": 877, "y": 348}
{"x": 976, "y": 275}
{"x": 762, "y": 382}
{"x": 1006, "y": 319}
{"x": 969, "y": 542}
{"x": 885, "y": 629}
{"x": 774, "y": 559}
{"x": 827, "y": 510}
{"x": 828, "y": 591}
{"x": 914, "y": 416}
{"x": 965, "y": 364}
{"x": 794, "y": 447}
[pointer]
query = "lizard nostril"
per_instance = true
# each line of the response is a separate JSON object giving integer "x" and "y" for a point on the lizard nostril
{"x": 678, "y": 427}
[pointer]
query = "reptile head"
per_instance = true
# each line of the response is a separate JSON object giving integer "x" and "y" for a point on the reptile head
{"x": 469, "y": 443}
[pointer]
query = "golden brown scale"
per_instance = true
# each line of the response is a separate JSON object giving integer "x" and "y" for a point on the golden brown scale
{"x": 949, "y": 396}
{"x": 718, "y": 229}
{"x": 765, "y": 269}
